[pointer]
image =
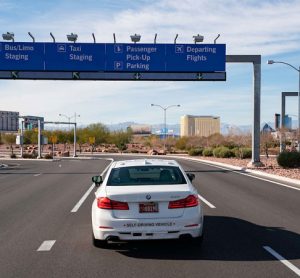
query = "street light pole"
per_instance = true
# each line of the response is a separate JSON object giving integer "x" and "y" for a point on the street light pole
{"x": 270, "y": 62}
{"x": 165, "y": 118}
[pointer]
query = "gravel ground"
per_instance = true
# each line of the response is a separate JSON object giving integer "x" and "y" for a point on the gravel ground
{"x": 270, "y": 167}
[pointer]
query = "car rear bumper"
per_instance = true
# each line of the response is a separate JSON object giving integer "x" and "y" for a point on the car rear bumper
{"x": 116, "y": 235}
{"x": 146, "y": 229}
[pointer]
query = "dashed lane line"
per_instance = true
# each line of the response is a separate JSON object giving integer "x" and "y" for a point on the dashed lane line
{"x": 46, "y": 245}
{"x": 87, "y": 193}
{"x": 36, "y": 175}
{"x": 282, "y": 260}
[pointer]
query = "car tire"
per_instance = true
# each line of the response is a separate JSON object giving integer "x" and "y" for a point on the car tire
{"x": 100, "y": 243}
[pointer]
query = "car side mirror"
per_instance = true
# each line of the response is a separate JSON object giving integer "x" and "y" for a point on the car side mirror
{"x": 191, "y": 176}
{"x": 97, "y": 180}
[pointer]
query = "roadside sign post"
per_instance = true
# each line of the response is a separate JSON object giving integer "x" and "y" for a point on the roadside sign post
{"x": 92, "y": 141}
{"x": 53, "y": 139}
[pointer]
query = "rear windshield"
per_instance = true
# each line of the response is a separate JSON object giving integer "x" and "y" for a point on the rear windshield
{"x": 144, "y": 175}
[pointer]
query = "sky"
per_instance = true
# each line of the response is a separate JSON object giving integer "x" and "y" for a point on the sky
{"x": 269, "y": 28}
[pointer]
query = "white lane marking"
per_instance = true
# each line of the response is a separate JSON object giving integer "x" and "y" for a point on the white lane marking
{"x": 46, "y": 245}
{"x": 206, "y": 202}
{"x": 278, "y": 183}
{"x": 36, "y": 175}
{"x": 80, "y": 202}
{"x": 86, "y": 194}
{"x": 248, "y": 175}
{"x": 282, "y": 260}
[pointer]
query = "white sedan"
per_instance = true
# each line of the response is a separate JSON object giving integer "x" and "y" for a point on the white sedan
{"x": 146, "y": 199}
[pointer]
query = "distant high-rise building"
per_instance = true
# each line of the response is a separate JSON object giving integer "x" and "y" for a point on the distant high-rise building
{"x": 287, "y": 121}
{"x": 199, "y": 125}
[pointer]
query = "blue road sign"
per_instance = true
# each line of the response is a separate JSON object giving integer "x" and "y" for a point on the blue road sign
{"x": 93, "y": 57}
{"x": 195, "y": 57}
{"x": 135, "y": 57}
{"x": 21, "y": 56}
{"x": 74, "y": 57}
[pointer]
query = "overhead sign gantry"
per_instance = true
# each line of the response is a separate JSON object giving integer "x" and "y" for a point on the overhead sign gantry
{"x": 112, "y": 61}
{"x": 118, "y": 61}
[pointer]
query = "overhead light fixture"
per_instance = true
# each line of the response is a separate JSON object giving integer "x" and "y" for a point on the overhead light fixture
{"x": 53, "y": 38}
{"x": 72, "y": 37}
{"x": 270, "y": 62}
{"x": 155, "y": 38}
{"x": 215, "y": 40}
{"x": 9, "y": 36}
{"x": 198, "y": 38}
{"x": 175, "y": 40}
{"x": 135, "y": 38}
{"x": 33, "y": 39}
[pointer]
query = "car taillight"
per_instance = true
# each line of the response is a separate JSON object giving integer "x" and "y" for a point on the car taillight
{"x": 106, "y": 203}
{"x": 189, "y": 201}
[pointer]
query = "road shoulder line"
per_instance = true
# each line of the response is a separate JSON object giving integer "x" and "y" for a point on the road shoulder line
{"x": 246, "y": 172}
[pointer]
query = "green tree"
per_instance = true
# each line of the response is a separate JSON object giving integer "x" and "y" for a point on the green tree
{"x": 120, "y": 139}
{"x": 81, "y": 138}
{"x": 10, "y": 139}
{"x": 99, "y": 131}
{"x": 181, "y": 143}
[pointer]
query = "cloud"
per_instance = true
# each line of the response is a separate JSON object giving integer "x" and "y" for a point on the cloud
{"x": 247, "y": 27}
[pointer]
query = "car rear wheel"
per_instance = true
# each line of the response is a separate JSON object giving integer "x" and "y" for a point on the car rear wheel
{"x": 100, "y": 243}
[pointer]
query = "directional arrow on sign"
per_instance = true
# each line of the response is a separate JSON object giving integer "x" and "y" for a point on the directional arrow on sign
{"x": 199, "y": 76}
{"x": 76, "y": 75}
{"x": 14, "y": 74}
{"x": 137, "y": 76}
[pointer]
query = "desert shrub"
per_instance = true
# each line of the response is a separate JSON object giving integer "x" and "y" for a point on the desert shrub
{"x": 48, "y": 156}
{"x": 223, "y": 152}
{"x": 243, "y": 153}
{"x": 289, "y": 159}
{"x": 29, "y": 155}
{"x": 207, "y": 152}
{"x": 195, "y": 152}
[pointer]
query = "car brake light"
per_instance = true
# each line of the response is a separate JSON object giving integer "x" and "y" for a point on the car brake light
{"x": 189, "y": 201}
{"x": 106, "y": 203}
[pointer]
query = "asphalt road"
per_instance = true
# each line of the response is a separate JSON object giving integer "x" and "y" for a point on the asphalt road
{"x": 248, "y": 223}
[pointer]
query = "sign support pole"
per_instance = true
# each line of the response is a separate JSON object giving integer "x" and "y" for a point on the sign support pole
{"x": 75, "y": 155}
{"x": 39, "y": 140}
{"x": 21, "y": 139}
{"x": 256, "y": 61}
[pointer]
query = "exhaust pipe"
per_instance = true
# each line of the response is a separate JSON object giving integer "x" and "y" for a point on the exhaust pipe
{"x": 113, "y": 238}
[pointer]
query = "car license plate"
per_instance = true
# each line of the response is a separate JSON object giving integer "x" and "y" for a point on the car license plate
{"x": 148, "y": 207}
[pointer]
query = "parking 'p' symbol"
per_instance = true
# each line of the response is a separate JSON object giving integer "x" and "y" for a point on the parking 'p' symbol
{"x": 118, "y": 65}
